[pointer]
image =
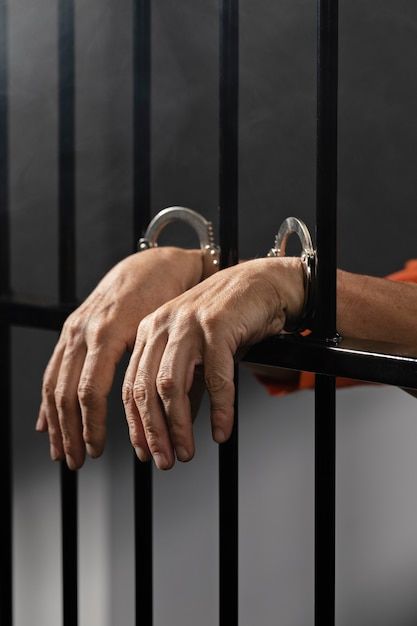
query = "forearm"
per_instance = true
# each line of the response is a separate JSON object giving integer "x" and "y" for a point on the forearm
{"x": 369, "y": 307}
{"x": 375, "y": 308}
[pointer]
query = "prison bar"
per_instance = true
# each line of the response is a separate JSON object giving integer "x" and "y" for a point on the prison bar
{"x": 325, "y": 320}
{"x": 141, "y": 217}
{"x": 228, "y": 230}
{"x": 6, "y": 609}
{"x": 67, "y": 282}
{"x": 320, "y": 353}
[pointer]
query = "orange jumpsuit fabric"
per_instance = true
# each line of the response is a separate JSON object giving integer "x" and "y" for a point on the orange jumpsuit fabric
{"x": 306, "y": 379}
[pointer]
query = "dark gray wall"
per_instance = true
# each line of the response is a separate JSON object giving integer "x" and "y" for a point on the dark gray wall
{"x": 377, "y": 430}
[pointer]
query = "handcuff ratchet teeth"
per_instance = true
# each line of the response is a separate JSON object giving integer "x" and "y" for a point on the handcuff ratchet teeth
{"x": 203, "y": 228}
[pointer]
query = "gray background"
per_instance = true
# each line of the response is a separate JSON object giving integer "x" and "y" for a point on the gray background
{"x": 376, "y": 428}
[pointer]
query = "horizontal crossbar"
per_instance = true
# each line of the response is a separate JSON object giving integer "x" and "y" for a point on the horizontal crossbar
{"x": 377, "y": 362}
{"x": 34, "y": 314}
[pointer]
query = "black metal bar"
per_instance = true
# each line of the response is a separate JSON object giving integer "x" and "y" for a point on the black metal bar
{"x": 143, "y": 543}
{"x": 325, "y": 501}
{"x": 4, "y": 167}
{"x": 34, "y": 315}
{"x": 69, "y": 509}
{"x": 325, "y": 322}
{"x": 6, "y": 559}
{"x": 66, "y": 191}
{"x": 229, "y": 237}
{"x": 67, "y": 283}
{"x": 141, "y": 116}
{"x": 375, "y": 362}
{"x": 141, "y": 217}
{"x": 326, "y": 175}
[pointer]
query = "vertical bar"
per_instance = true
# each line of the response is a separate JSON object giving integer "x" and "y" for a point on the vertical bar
{"x": 141, "y": 217}
{"x": 325, "y": 325}
{"x": 67, "y": 283}
{"x": 326, "y": 181}
{"x": 325, "y": 487}
{"x": 6, "y": 606}
{"x": 141, "y": 116}
{"x": 228, "y": 191}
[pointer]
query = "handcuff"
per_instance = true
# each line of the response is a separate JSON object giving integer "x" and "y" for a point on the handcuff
{"x": 211, "y": 251}
{"x": 290, "y": 226}
{"x": 203, "y": 228}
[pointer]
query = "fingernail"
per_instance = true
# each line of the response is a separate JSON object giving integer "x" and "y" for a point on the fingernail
{"x": 71, "y": 462}
{"x": 219, "y": 435}
{"x": 160, "y": 460}
{"x": 54, "y": 453}
{"x": 141, "y": 454}
{"x": 182, "y": 454}
{"x": 91, "y": 451}
{"x": 38, "y": 424}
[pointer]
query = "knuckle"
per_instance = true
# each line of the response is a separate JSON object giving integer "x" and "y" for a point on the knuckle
{"x": 167, "y": 386}
{"x": 142, "y": 387}
{"x": 98, "y": 333}
{"x": 211, "y": 323}
{"x": 140, "y": 393}
{"x": 144, "y": 325}
{"x": 72, "y": 327}
{"x": 184, "y": 317}
{"x": 127, "y": 393}
{"x": 87, "y": 394}
{"x": 62, "y": 400}
{"x": 48, "y": 391}
{"x": 216, "y": 383}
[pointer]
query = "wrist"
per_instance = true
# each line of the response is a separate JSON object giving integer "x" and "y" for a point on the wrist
{"x": 185, "y": 265}
{"x": 287, "y": 275}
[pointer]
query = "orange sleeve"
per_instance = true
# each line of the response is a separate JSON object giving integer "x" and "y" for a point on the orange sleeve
{"x": 306, "y": 380}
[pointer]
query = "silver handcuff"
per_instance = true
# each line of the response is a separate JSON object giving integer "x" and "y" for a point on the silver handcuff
{"x": 211, "y": 251}
{"x": 202, "y": 227}
{"x": 292, "y": 225}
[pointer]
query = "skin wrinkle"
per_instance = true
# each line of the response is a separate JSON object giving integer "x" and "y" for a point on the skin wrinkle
{"x": 191, "y": 334}
{"x": 233, "y": 308}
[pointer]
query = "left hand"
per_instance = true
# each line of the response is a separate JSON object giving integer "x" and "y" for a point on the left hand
{"x": 204, "y": 327}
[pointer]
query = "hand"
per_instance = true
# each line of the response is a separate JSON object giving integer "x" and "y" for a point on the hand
{"x": 203, "y": 327}
{"x": 80, "y": 372}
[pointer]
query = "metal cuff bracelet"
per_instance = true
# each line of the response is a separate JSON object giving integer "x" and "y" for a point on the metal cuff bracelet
{"x": 203, "y": 228}
{"x": 292, "y": 225}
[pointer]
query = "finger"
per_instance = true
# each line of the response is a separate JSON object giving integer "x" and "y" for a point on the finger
{"x": 66, "y": 399}
{"x": 219, "y": 375}
{"x": 48, "y": 408}
{"x": 173, "y": 383}
{"x": 41, "y": 422}
{"x": 149, "y": 404}
{"x": 136, "y": 432}
{"x": 93, "y": 388}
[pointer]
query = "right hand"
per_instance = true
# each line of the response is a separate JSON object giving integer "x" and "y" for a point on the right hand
{"x": 79, "y": 375}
